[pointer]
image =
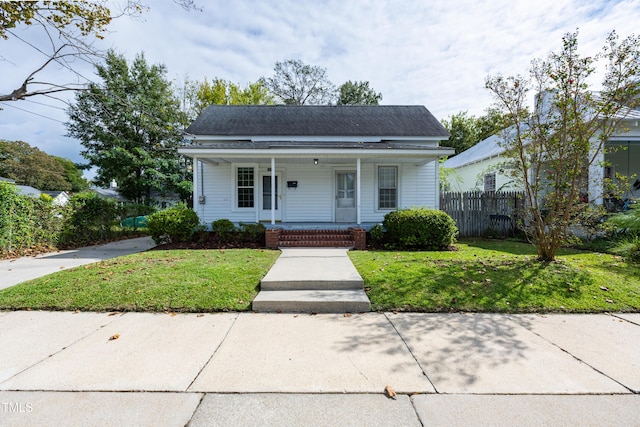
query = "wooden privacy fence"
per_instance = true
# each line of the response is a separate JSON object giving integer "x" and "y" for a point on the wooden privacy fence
{"x": 479, "y": 213}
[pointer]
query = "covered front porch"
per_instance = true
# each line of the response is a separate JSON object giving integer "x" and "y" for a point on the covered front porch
{"x": 336, "y": 190}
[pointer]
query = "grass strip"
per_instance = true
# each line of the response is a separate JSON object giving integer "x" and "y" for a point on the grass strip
{"x": 156, "y": 281}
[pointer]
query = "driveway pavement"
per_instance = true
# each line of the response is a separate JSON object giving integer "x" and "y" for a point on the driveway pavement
{"x": 18, "y": 270}
{"x": 61, "y": 368}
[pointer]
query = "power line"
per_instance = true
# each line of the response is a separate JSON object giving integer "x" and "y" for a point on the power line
{"x": 31, "y": 112}
{"x": 46, "y": 105}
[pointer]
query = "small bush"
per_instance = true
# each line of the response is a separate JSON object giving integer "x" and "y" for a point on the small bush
{"x": 376, "y": 235}
{"x": 628, "y": 248}
{"x": 627, "y": 222}
{"x": 253, "y": 232}
{"x": 420, "y": 228}
{"x": 176, "y": 224}
{"x": 224, "y": 229}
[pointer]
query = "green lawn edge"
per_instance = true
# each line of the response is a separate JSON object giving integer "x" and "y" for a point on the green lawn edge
{"x": 498, "y": 276}
{"x": 153, "y": 281}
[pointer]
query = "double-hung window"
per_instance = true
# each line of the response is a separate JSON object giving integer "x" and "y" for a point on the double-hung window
{"x": 490, "y": 182}
{"x": 245, "y": 185}
{"x": 387, "y": 187}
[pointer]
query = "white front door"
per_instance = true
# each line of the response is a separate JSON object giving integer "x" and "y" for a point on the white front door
{"x": 265, "y": 198}
{"x": 345, "y": 196}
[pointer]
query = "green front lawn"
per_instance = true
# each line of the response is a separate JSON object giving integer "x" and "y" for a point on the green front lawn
{"x": 483, "y": 275}
{"x": 498, "y": 276}
{"x": 177, "y": 280}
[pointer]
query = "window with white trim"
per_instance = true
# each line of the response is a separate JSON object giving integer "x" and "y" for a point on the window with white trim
{"x": 387, "y": 187}
{"x": 245, "y": 185}
{"x": 490, "y": 182}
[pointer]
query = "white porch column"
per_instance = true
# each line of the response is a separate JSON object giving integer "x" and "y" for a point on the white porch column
{"x": 358, "y": 219}
{"x": 196, "y": 177}
{"x": 437, "y": 183}
{"x": 273, "y": 190}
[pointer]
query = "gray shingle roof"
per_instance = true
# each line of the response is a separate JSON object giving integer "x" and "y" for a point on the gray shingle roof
{"x": 302, "y": 120}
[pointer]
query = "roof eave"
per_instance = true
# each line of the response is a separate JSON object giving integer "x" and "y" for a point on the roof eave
{"x": 318, "y": 152}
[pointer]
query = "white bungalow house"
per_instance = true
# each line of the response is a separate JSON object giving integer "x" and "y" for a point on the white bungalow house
{"x": 479, "y": 168}
{"x": 323, "y": 167}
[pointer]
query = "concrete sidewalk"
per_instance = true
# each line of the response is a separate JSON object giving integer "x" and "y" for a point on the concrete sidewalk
{"x": 328, "y": 369}
{"x": 18, "y": 270}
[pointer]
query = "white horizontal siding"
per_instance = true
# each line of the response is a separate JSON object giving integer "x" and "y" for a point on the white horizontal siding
{"x": 218, "y": 187}
{"x": 419, "y": 186}
{"x": 313, "y": 200}
{"x": 471, "y": 177}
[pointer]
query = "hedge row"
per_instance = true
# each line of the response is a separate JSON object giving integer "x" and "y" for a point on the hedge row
{"x": 36, "y": 224}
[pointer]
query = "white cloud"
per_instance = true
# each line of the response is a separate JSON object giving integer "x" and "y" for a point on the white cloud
{"x": 437, "y": 54}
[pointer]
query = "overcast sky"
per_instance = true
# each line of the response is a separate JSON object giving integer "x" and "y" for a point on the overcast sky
{"x": 431, "y": 53}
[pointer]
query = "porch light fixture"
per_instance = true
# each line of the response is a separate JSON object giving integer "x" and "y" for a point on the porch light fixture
{"x": 315, "y": 161}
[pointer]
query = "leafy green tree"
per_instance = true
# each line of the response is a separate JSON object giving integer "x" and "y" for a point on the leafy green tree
{"x": 199, "y": 95}
{"x": 491, "y": 122}
{"x": 467, "y": 130}
{"x": 296, "y": 83}
{"x": 73, "y": 174}
{"x": 28, "y": 165}
{"x": 464, "y": 131}
{"x": 552, "y": 147}
{"x": 130, "y": 125}
{"x": 357, "y": 93}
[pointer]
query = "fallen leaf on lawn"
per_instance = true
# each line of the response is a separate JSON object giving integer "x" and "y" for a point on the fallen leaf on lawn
{"x": 114, "y": 337}
{"x": 610, "y": 301}
{"x": 604, "y": 288}
{"x": 571, "y": 290}
{"x": 390, "y": 392}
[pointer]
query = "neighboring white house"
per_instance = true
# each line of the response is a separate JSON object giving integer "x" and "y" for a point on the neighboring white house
{"x": 60, "y": 198}
{"x": 478, "y": 168}
{"x": 338, "y": 165}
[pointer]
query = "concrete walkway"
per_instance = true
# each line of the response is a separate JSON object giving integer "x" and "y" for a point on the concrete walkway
{"x": 312, "y": 280}
{"x": 329, "y": 369}
{"x": 18, "y": 270}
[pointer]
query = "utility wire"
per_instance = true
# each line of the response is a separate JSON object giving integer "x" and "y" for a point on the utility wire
{"x": 31, "y": 112}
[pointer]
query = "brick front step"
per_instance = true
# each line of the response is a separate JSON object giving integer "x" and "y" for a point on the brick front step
{"x": 316, "y": 243}
{"x": 352, "y": 238}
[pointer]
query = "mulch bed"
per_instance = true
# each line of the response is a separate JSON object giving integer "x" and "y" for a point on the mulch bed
{"x": 209, "y": 240}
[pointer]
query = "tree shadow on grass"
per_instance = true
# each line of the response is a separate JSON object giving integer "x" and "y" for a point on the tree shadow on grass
{"x": 488, "y": 285}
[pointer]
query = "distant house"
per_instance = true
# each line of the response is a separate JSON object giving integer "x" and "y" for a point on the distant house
{"x": 109, "y": 193}
{"x": 25, "y": 190}
{"x": 328, "y": 166}
{"x": 482, "y": 167}
{"x": 60, "y": 198}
